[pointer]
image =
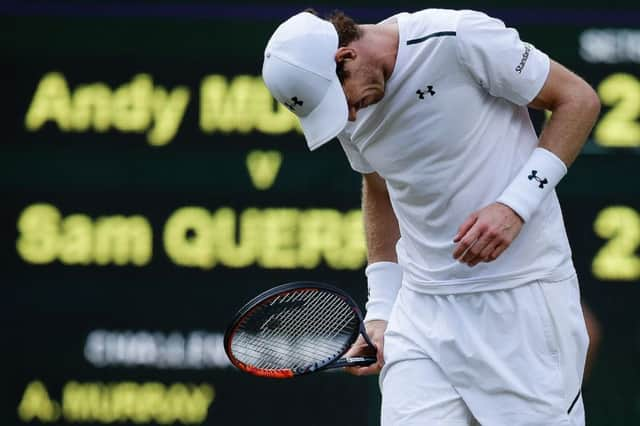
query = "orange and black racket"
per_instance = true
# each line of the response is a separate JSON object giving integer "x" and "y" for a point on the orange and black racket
{"x": 294, "y": 329}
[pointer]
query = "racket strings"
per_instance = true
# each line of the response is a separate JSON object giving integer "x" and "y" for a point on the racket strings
{"x": 279, "y": 353}
{"x": 266, "y": 339}
{"x": 321, "y": 340}
{"x": 332, "y": 317}
{"x": 301, "y": 346}
{"x": 320, "y": 314}
{"x": 285, "y": 317}
{"x": 293, "y": 328}
{"x": 311, "y": 326}
{"x": 279, "y": 344}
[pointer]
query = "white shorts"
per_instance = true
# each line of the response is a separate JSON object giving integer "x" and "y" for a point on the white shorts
{"x": 501, "y": 358}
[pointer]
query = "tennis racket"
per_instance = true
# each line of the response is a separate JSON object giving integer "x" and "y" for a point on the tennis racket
{"x": 295, "y": 329}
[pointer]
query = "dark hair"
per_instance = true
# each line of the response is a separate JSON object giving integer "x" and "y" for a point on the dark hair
{"x": 348, "y": 31}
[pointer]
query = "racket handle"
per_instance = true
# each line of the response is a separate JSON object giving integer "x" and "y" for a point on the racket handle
{"x": 353, "y": 361}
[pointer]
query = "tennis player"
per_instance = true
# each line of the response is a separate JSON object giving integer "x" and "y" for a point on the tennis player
{"x": 473, "y": 297}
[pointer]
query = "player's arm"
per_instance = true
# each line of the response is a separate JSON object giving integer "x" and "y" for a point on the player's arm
{"x": 380, "y": 222}
{"x": 383, "y": 273}
{"x": 523, "y": 75}
{"x": 575, "y": 107}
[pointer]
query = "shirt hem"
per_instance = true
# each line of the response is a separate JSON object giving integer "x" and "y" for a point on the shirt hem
{"x": 503, "y": 282}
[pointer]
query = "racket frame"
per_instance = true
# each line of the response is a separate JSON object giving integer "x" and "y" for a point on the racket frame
{"x": 283, "y": 289}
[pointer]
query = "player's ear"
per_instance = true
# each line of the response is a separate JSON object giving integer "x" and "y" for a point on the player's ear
{"x": 345, "y": 53}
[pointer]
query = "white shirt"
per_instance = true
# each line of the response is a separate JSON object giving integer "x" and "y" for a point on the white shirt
{"x": 448, "y": 137}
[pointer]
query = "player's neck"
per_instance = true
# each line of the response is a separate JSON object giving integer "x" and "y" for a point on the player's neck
{"x": 381, "y": 42}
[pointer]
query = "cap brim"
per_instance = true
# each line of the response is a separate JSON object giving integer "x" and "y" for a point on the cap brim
{"x": 328, "y": 119}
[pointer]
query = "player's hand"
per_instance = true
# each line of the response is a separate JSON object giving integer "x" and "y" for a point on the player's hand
{"x": 486, "y": 234}
{"x": 375, "y": 331}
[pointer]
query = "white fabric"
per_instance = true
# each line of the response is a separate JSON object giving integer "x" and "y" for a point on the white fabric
{"x": 299, "y": 69}
{"x": 431, "y": 401}
{"x": 456, "y": 149}
{"x": 510, "y": 357}
{"x": 383, "y": 281}
{"x": 535, "y": 181}
{"x": 498, "y": 60}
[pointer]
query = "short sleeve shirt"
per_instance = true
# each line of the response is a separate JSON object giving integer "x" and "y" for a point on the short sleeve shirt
{"x": 448, "y": 137}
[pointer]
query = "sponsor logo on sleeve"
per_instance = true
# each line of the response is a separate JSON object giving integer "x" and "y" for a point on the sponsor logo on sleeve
{"x": 525, "y": 57}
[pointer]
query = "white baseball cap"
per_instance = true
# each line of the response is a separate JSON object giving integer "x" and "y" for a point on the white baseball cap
{"x": 300, "y": 71}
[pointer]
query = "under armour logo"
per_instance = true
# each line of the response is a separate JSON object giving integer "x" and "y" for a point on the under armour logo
{"x": 534, "y": 175}
{"x": 428, "y": 89}
{"x": 295, "y": 101}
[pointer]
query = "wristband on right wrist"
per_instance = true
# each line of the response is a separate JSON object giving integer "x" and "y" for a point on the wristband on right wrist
{"x": 533, "y": 183}
{"x": 383, "y": 281}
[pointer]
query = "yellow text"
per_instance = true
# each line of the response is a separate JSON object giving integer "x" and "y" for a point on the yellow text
{"x": 242, "y": 104}
{"x": 36, "y": 404}
{"x": 46, "y": 236}
{"x": 138, "y": 403}
{"x": 619, "y": 127}
{"x": 135, "y": 107}
{"x": 617, "y": 260}
{"x": 282, "y": 238}
{"x": 263, "y": 167}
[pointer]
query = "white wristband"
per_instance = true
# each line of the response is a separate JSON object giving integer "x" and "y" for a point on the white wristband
{"x": 384, "y": 280}
{"x": 537, "y": 178}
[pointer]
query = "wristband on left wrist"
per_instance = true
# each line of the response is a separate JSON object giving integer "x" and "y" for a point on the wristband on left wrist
{"x": 533, "y": 183}
{"x": 383, "y": 281}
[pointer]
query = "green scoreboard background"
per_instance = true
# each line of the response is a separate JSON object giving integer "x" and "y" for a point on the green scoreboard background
{"x": 150, "y": 186}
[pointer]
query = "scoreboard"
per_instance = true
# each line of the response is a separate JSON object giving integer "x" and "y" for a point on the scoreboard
{"x": 150, "y": 186}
